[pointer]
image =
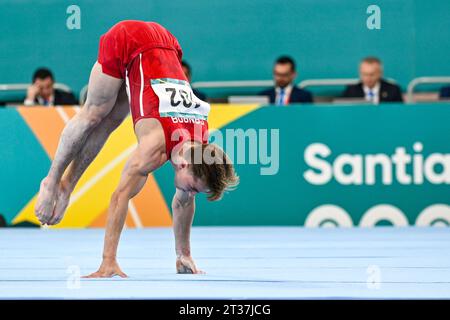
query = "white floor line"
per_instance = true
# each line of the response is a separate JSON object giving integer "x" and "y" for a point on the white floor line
{"x": 77, "y": 109}
{"x": 62, "y": 114}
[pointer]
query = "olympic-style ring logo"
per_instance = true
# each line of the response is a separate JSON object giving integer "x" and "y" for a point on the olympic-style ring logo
{"x": 329, "y": 215}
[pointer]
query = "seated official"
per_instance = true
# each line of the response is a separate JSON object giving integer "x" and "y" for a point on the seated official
{"x": 444, "y": 93}
{"x": 42, "y": 92}
{"x": 373, "y": 87}
{"x": 285, "y": 91}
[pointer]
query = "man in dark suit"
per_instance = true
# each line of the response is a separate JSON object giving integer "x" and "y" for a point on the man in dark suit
{"x": 372, "y": 86}
{"x": 42, "y": 92}
{"x": 285, "y": 91}
{"x": 188, "y": 72}
{"x": 444, "y": 93}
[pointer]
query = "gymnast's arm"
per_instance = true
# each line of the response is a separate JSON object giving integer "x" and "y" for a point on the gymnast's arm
{"x": 132, "y": 180}
{"x": 183, "y": 209}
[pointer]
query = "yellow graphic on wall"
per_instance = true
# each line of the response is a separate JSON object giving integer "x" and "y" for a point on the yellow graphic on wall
{"x": 90, "y": 199}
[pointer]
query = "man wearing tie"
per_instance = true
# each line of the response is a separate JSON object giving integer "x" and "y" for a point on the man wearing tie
{"x": 42, "y": 91}
{"x": 372, "y": 87}
{"x": 285, "y": 91}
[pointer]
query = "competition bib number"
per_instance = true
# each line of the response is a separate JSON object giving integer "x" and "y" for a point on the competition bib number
{"x": 176, "y": 99}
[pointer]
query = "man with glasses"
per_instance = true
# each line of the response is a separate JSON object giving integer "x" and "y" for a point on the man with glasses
{"x": 285, "y": 91}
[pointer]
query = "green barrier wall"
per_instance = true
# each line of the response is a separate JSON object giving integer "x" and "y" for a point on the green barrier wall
{"x": 288, "y": 198}
{"x": 312, "y": 166}
{"x": 228, "y": 40}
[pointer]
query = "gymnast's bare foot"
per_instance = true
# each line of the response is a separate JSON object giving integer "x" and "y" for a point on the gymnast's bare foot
{"x": 61, "y": 203}
{"x": 45, "y": 201}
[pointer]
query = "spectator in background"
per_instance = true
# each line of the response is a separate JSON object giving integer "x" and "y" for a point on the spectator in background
{"x": 444, "y": 93}
{"x": 372, "y": 86}
{"x": 3, "y": 223}
{"x": 188, "y": 72}
{"x": 285, "y": 91}
{"x": 42, "y": 92}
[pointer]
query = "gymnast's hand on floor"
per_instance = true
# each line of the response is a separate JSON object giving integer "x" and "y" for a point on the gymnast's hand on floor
{"x": 108, "y": 269}
{"x": 185, "y": 264}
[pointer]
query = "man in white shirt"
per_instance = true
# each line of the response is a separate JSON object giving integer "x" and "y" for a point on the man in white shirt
{"x": 373, "y": 87}
{"x": 372, "y": 94}
{"x": 285, "y": 92}
{"x": 42, "y": 91}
